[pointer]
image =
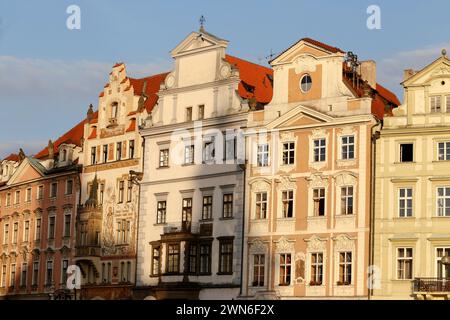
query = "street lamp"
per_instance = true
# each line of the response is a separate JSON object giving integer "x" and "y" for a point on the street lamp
{"x": 445, "y": 260}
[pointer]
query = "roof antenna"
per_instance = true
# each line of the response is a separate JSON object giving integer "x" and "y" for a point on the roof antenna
{"x": 202, "y": 21}
{"x": 271, "y": 55}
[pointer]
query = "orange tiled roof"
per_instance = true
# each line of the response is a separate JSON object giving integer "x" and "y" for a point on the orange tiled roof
{"x": 132, "y": 126}
{"x": 153, "y": 84}
{"x": 12, "y": 157}
{"x": 255, "y": 81}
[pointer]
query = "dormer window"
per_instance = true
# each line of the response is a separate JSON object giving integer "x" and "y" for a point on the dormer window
{"x": 64, "y": 155}
{"x": 306, "y": 83}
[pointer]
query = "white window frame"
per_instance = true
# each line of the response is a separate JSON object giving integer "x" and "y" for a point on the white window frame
{"x": 404, "y": 259}
{"x": 262, "y": 155}
{"x": 317, "y": 150}
{"x": 288, "y": 150}
{"x": 434, "y": 104}
{"x": 345, "y": 155}
{"x": 445, "y": 156}
{"x": 261, "y": 202}
{"x": 446, "y": 195}
{"x": 403, "y": 211}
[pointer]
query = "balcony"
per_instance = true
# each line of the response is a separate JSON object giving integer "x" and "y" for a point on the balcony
{"x": 87, "y": 251}
{"x": 430, "y": 288}
{"x": 181, "y": 227}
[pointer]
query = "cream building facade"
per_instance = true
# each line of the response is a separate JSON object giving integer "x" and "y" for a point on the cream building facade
{"x": 192, "y": 192}
{"x": 412, "y": 216}
{"x": 308, "y": 186}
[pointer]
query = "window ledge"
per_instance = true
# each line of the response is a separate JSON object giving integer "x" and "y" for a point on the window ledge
{"x": 206, "y": 220}
{"x": 162, "y": 168}
{"x": 160, "y": 224}
{"x": 187, "y": 164}
{"x": 224, "y": 273}
{"x": 226, "y": 218}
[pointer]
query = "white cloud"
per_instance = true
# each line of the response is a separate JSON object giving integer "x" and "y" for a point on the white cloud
{"x": 390, "y": 70}
{"x": 29, "y": 147}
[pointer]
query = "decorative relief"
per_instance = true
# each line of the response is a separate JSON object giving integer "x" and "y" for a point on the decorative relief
{"x": 316, "y": 244}
{"x": 286, "y": 183}
{"x": 346, "y": 179}
{"x": 112, "y": 132}
{"x": 343, "y": 243}
{"x": 305, "y": 63}
{"x": 300, "y": 259}
{"x": 258, "y": 247}
{"x": 284, "y": 245}
{"x": 260, "y": 185}
{"x": 441, "y": 71}
{"x": 287, "y": 136}
{"x": 318, "y": 133}
{"x": 346, "y": 131}
{"x": 317, "y": 180}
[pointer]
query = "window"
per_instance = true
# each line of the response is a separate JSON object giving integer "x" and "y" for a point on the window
{"x": 258, "y": 270}
{"x": 8, "y": 199}
{"x": 114, "y": 109}
{"x": 123, "y": 231}
{"x": 406, "y": 152}
{"x": 316, "y": 269}
{"x": 67, "y": 219}
{"x": 443, "y": 151}
{"x": 37, "y": 235}
{"x": 207, "y": 208}
{"x": 129, "y": 190}
{"x": 319, "y": 202}
{"x": 102, "y": 192}
{"x": 12, "y": 279}
{"x": 193, "y": 258}
{"x": 4, "y": 276}
{"x": 131, "y": 149}
{"x": 405, "y": 202}
{"x": 6, "y": 233}
{"x": 230, "y": 147}
{"x": 226, "y": 256}
{"x": 435, "y": 104}
{"x": 261, "y": 205}
{"x": 17, "y": 197}
{"x": 263, "y": 155}
{"x": 345, "y": 268}
{"x": 64, "y": 267}
{"x": 186, "y": 215}
{"x": 404, "y": 263}
{"x": 122, "y": 272}
{"x": 64, "y": 155}
{"x": 69, "y": 187}
{"x": 156, "y": 260}
{"x": 119, "y": 151}
{"x": 161, "y": 214}
{"x": 49, "y": 273}
{"x": 35, "y": 279}
{"x": 164, "y": 158}
{"x": 53, "y": 189}
{"x": 205, "y": 258}
{"x": 209, "y": 151}
{"x": 348, "y": 147}
{"x": 15, "y": 232}
{"x": 319, "y": 150}
{"x": 23, "y": 275}
{"x": 201, "y": 112}
{"x": 189, "y": 114}
{"x": 189, "y": 154}
{"x": 40, "y": 193}
{"x": 28, "y": 195}
{"x": 121, "y": 190}
{"x": 51, "y": 227}
{"x": 305, "y": 83}
{"x": 227, "y": 205}
{"x": 288, "y": 153}
{"x": 443, "y": 202}
{"x": 93, "y": 155}
{"x": 105, "y": 153}
{"x": 347, "y": 200}
{"x": 287, "y": 198}
{"x": 173, "y": 258}
{"x": 447, "y": 103}
{"x": 285, "y": 269}
{"x": 443, "y": 271}
{"x": 26, "y": 231}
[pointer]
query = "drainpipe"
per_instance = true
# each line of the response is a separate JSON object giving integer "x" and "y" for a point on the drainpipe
{"x": 244, "y": 167}
{"x": 374, "y": 136}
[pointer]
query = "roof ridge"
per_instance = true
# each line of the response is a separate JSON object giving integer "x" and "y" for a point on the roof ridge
{"x": 254, "y": 63}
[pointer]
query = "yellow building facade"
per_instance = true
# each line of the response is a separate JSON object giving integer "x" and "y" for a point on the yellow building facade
{"x": 412, "y": 190}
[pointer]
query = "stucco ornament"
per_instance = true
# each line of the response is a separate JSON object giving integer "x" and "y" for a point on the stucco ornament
{"x": 316, "y": 244}
{"x": 343, "y": 242}
{"x": 284, "y": 245}
{"x": 305, "y": 63}
{"x": 257, "y": 246}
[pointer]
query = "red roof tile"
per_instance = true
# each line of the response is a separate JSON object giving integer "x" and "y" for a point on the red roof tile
{"x": 93, "y": 134}
{"x": 255, "y": 80}
{"x": 152, "y": 88}
{"x": 132, "y": 126}
{"x": 388, "y": 95}
{"x": 12, "y": 157}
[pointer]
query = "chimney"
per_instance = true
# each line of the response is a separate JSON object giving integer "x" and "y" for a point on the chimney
{"x": 408, "y": 73}
{"x": 50, "y": 148}
{"x": 368, "y": 72}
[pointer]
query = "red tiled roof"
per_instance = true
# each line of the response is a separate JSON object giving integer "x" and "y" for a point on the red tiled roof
{"x": 255, "y": 80}
{"x": 12, "y": 157}
{"x": 153, "y": 84}
{"x": 132, "y": 126}
{"x": 72, "y": 136}
{"x": 388, "y": 95}
{"x": 93, "y": 134}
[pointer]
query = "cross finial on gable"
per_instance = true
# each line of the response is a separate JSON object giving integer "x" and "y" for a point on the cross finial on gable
{"x": 202, "y": 21}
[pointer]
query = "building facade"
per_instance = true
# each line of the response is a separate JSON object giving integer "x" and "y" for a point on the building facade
{"x": 192, "y": 192}
{"x": 38, "y": 202}
{"x": 412, "y": 216}
{"x": 308, "y": 175}
{"x": 107, "y": 216}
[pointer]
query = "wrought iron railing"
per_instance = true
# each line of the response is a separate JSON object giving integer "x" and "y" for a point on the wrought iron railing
{"x": 431, "y": 285}
{"x": 182, "y": 226}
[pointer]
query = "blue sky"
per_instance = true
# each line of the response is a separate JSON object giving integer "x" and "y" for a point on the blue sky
{"x": 49, "y": 74}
